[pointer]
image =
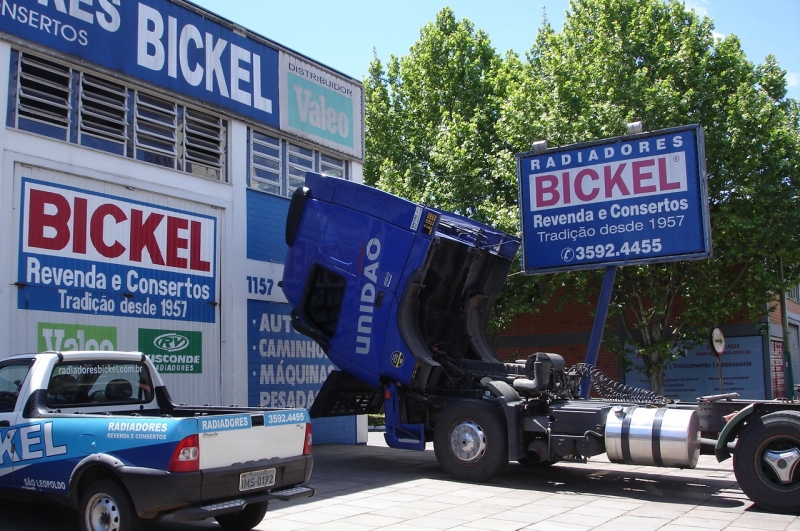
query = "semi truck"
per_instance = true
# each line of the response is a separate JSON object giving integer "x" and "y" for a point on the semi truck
{"x": 398, "y": 295}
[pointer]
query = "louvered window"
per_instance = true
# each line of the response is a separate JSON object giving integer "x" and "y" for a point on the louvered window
{"x": 103, "y": 114}
{"x": 331, "y": 166}
{"x": 301, "y": 160}
{"x": 44, "y": 96}
{"x": 265, "y": 163}
{"x": 203, "y": 144}
{"x": 156, "y": 130}
{"x": 279, "y": 167}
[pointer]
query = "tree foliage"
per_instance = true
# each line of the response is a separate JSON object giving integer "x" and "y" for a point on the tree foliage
{"x": 445, "y": 121}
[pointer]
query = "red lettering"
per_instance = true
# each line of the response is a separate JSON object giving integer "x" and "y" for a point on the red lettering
{"x": 615, "y": 180}
{"x": 97, "y": 230}
{"x": 639, "y": 176}
{"x": 79, "y": 226}
{"x": 38, "y": 220}
{"x": 565, "y": 187}
{"x": 583, "y": 196}
{"x": 547, "y": 191}
{"x": 175, "y": 242}
{"x": 143, "y": 237}
{"x": 195, "y": 262}
{"x": 662, "y": 176}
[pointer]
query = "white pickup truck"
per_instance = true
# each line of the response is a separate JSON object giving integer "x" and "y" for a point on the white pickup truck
{"x": 99, "y": 432}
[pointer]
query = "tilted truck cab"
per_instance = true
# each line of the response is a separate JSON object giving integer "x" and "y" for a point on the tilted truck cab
{"x": 392, "y": 290}
{"x": 398, "y": 296}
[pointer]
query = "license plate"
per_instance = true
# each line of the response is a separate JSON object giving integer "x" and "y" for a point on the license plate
{"x": 256, "y": 479}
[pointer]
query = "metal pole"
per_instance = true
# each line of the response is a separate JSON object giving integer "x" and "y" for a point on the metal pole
{"x": 787, "y": 350}
{"x": 599, "y": 324}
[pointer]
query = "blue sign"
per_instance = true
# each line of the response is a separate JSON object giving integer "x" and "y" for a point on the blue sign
{"x": 697, "y": 374}
{"x": 159, "y": 42}
{"x": 284, "y": 367}
{"x": 617, "y": 201}
{"x": 90, "y": 253}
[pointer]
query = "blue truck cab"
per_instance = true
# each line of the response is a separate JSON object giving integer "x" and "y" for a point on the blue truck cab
{"x": 396, "y": 293}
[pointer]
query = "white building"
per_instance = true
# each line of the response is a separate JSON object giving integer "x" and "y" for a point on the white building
{"x": 148, "y": 151}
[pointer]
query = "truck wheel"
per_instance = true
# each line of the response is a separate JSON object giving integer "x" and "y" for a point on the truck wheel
{"x": 470, "y": 441}
{"x": 245, "y": 520}
{"x": 106, "y": 507}
{"x": 766, "y": 461}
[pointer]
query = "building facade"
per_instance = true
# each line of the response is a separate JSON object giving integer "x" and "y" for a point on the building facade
{"x": 148, "y": 151}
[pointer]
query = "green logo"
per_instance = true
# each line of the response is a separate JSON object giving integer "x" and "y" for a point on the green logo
{"x": 173, "y": 351}
{"x": 320, "y": 111}
{"x": 56, "y": 336}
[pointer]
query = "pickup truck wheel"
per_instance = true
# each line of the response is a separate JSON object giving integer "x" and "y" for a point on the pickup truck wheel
{"x": 470, "y": 441}
{"x": 245, "y": 520}
{"x": 766, "y": 461}
{"x": 106, "y": 507}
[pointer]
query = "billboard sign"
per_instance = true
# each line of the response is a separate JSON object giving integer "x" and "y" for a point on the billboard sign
{"x": 160, "y": 42}
{"x": 85, "y": 252}
{"x": 632, "y": 199}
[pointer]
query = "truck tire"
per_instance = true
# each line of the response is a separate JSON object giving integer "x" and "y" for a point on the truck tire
{"x": 470, "y": 441}
{"x": 245, "y": 520}
{"x": 767, "y": 446}
{"x": 106, "y": 507}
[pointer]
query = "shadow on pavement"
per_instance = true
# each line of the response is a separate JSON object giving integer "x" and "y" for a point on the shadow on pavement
{"x": 344, "y": 469}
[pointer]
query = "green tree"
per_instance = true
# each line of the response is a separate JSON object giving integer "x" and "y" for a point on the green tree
{"x": 430, "y": 122}
{"x": 620, "y": 60}
{"x": 444, "y": 124}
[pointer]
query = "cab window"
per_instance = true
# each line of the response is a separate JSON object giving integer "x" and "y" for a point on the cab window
{"x": 96, "y": 383}
{"x": 12, "y": 376}
{"x": 324, "y": 299}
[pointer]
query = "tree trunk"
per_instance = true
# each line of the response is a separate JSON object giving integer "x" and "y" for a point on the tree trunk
{"x": 657, "y": 381}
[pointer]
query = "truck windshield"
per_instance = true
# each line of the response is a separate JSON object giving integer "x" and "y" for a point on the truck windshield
{"x": 96, "y": 383}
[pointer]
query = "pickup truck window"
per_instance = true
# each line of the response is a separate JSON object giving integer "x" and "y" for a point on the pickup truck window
{"x": 324, "y": 299}
{"x": 11, "y": 378}
{"x": 94, "y": 383}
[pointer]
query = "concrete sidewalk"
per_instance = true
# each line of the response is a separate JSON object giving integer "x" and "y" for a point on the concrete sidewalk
{"x": 360, "y": 488}
{"x": 366, "y": 487}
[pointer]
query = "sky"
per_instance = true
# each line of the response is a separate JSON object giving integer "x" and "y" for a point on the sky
{"x": 343, "y": 35}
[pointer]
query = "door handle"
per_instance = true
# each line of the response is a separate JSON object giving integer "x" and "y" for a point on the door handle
{"x": 4, "y": 424}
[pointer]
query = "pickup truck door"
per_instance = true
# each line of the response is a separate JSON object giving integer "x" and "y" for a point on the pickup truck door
{"x": 13, "y": 374}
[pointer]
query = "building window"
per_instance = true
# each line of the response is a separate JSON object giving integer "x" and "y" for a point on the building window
{"x": 265, "y": 163}
{"x": 44, "y": 96}
{"x": 103, "y": 115}
{"x": 279, "y": 167}
{"x": 116, "y": 118}
{"x": 301, "y": 160}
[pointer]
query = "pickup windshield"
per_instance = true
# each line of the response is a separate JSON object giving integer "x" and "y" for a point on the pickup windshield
{"x": 95, "y": 383}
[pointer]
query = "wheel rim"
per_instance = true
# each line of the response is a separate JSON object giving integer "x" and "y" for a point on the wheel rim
{"x": 102, "y": 513}
{"x": 468, "y": 442}
{"x": 779, "y": 458}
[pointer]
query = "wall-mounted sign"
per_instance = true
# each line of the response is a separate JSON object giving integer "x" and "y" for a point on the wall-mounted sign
{"x": 62, "y": 337}
{"x": 91, "y": 253}
{"x": 698, "y": 373}
{"x": 173, "y": 351}
{"x": 321, "y": 106}
{"x": 285, "y": 368}
{"x": 160, "y": 42}
{"x": 617, "y": 201}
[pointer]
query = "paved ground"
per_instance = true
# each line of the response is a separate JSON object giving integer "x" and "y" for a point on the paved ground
{"x": 361, "y": 488}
